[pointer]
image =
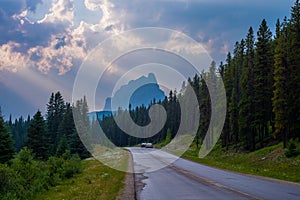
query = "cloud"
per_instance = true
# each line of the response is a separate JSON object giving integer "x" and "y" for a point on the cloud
{"x": 59, "y": 54}
{"x": 11, "y": 60}
{"x": 61, "y": 37}
{"x": 92, "y": 4}
{"x": 62, "y": 11}
{"x": 45, "y": 44}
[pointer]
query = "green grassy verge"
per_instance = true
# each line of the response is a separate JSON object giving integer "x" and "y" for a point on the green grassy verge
{"x": 97, "y": 181}
{"x": 270, "y": 162}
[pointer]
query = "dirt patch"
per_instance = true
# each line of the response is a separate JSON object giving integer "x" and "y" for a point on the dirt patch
{"x": 128, "y": 192}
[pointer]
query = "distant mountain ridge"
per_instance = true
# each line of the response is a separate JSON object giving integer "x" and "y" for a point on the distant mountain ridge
{"x": 141, "y": 91}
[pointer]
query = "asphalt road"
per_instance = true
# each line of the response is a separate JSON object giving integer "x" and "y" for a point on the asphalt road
{"x": 159, "y": 177}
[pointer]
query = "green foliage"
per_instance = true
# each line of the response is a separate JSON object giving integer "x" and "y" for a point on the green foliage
{"x": 80, "y": 114}
{"x": 269, "y": 162}
{"x": 63, "y": 167}
{"x": 168, "y": 137}
{"x": 32, "y": 174}
{"x": 18, "y": 129}
{"x": 38, "y": 139}
{"x": 6, "y": 143}
{"x": 62, "y": 146}
{"x": 9, "y": 180}
{"x": 96, "y": 181}
{"x": 55, "y": 113}
{"x": 292, "y": 150}
{"x": 26, "y": 177}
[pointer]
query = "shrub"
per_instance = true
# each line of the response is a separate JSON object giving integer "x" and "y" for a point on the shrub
{"x": 292, "y": 150}
{"x": 26, "y": 177}
{"x": 63, "y": 167}
{"x": 33, "y": 175}
{"x": 71, "y": 166}
{"x": 55, "y": 170}
{"x": 9, "y": 183}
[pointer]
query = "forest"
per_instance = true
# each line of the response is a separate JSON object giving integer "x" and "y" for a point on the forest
{"x": 262, "y": 83}
{"x": 36, "y": 154}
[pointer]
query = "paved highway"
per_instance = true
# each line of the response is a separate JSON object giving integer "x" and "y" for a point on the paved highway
{"x": 160, "y": 175}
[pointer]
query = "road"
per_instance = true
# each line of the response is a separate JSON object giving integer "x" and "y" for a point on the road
{"x": 159, "y": 177}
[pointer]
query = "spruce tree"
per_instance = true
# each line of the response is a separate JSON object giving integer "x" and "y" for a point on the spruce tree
{"x": 280, "y": 80}
{"x": 235, "y": 94}
{"x": 7, "y": 150}
{"x": 228, "y": 83}
{"x": 38, "y": 140}
{"x": 55, "y": 113}
{"x": 246, "y": 100}
{"x": 263, "y": 81}
{"x": 80, "y": 114}
{"x": 293, "y": 71}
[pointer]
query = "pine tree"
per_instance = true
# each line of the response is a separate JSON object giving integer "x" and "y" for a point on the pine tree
{"x": 55, "y": 113}
{"x": 280, "y": 79}
{"x": 235, "y": 94}
{"x": 263, "y": 81}
{"x": 228, "y": 83}
{"x": 80, "y": 114}
{"x": 246, "y": 101}
{"x": 67, "y": 128}
{"x": 293, "y": 71}
{"x": 38, "y": 139}
{"x": 7, "y": 150}
{"x": 62, "y": 146}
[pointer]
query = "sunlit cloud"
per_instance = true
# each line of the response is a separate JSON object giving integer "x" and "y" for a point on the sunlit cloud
{"x": 11, "y": 60}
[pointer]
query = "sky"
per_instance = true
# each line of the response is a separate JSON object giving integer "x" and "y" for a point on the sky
{"x": 43, "y": 43}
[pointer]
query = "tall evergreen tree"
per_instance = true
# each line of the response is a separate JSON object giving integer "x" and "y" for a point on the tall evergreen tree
{"x": 55, "y": 113}
{"x": 293, "y": 71}
{"x": 228, "y": 83}
{"x": 6, "y": 143}
{"x": 263, "y": 81}
{"x": 246, "y": 101}
{"x": 235, "y": 95}
{"x": 80, "y": 114}
{"x": 38, "y": 139}
{"x": 280, "y": 81}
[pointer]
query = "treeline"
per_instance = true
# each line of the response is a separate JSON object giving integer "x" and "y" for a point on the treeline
{"x": 37, "y": 157}
{"x": 140, "y": 116}
{"x": 262, "y": 80}
{"x": 47, "y": 137}
{"x": 262, "y": 83}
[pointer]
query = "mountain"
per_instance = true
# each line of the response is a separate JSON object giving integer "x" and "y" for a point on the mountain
{"x": 141, "y": 91}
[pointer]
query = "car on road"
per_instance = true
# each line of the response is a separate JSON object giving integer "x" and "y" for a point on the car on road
{"x": 143, "y": 145}
{"x": 149, "y": 145}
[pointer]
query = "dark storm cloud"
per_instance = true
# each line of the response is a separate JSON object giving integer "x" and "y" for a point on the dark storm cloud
{"x": 212, "y": 22}
{"x": 27, "y": 34}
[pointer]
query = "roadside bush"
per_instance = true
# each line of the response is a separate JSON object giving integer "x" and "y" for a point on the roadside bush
{"x": 63, "y": 167}
{"x": 26, "y": 177}
{"x": 9, "y": 183}
{"x": 71, "y": 166}
{"x": 292, "y": 150}
{"x": 55, "y": 169}
{"x": 33, "y": 175}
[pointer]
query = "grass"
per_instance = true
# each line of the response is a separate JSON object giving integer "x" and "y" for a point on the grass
{"x": 269, "y": 162}
{"x": 97, "y": 181}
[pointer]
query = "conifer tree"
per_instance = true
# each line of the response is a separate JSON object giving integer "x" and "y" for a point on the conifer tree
{"x": 280, "y": 79}
{"x": 246, "y": 99}
{"x": 263, "y": 81}
{"x": 7, "y": 150}
{"x": 293, "y": 71}
{"x": 38, "y": 140}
